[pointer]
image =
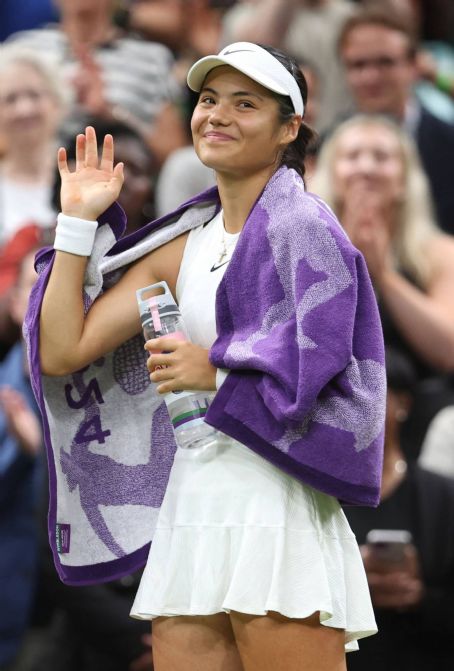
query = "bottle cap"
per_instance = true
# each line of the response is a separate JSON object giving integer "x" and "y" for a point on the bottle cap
{"x": 153, "y": 307}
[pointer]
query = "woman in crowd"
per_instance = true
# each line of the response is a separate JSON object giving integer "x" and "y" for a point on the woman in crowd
{"x": 369, "y": 173}
{"x": 111, "y": 73}
{"x": 31, "y": 107}
{"x": 252, "y": 564}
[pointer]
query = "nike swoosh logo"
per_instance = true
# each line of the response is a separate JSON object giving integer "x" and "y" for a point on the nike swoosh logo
{"x": 216, "y": 267}
{"x": 235, "y": 51}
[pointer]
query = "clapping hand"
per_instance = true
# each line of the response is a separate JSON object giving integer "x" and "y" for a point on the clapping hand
{"x": 95, "y": 183}
{"x": 89, "y": 85}
{"x": 367, "y": 221}
{"x": 22, "y": 423}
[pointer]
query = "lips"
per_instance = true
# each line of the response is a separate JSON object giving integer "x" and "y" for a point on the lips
{"x": 216, "y": 136}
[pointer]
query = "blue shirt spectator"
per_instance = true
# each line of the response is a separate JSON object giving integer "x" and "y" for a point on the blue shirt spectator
{"x": 18, "y": 15}
{"x": 20, "y": 485}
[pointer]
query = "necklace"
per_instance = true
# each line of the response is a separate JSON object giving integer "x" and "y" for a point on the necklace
{"x": 227, "y": 248}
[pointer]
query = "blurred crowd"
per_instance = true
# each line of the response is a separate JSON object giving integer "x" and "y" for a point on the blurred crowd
{"x": 381, "y": 98}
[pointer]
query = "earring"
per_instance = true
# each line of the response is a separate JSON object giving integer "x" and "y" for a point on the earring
{"x": 401, "y": 414}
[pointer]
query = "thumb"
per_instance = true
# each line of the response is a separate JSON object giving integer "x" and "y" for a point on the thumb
{"x": 118, "y": 172}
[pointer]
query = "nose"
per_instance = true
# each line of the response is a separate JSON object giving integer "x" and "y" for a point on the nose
{"x": 24, "y": 105}
{"x": 218, "y": 115}
{"x": 366, "y": 164}
{"x": 370, "y": 73}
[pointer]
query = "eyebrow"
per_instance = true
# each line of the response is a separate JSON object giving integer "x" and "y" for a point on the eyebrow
{"x": 207, "y": 89}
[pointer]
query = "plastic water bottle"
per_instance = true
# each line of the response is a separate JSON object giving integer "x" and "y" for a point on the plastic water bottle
{"x": 161, "y": 316}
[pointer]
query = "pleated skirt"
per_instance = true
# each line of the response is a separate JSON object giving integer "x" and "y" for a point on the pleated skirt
{"x": 236, "y": 533}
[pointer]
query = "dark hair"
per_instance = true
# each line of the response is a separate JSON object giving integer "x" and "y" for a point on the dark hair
{"x": 383, "y": 17}
{"x": 296, "y": 152}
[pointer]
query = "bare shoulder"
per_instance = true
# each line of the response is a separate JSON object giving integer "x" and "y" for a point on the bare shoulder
{"x": 440, "y": 251}
{"x": 163, "y": 263}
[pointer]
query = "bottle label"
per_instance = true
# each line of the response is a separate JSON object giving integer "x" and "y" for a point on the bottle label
{"x": 187, "y": 407}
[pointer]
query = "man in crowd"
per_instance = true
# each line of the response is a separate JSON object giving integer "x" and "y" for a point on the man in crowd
{"x": 378, "y": 52}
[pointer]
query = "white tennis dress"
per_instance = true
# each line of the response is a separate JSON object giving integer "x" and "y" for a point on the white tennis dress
{"x": 235, "y": 532}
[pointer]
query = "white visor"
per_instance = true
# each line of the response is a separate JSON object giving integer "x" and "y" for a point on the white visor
{"x": 256, "y": 63}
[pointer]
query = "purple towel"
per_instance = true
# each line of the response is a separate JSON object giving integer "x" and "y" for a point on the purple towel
{"x": 298, "y": 327}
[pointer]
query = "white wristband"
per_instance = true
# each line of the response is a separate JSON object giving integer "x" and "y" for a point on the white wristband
{"x": 221, "y": 374}
{"x": 75, "y": 235}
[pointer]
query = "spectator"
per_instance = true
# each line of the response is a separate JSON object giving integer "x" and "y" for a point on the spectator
{"x": 31, "y": 108}
{"x": 18, "y": 15}
{"x": 184, "y": 25}
{"x": 412, "y": 593}
{"x": 11, "y": 259}
{"x": 437, "y": 452}
{"x": 90, "y": 628}
{"x": 112, "y": 74}
{"x": 309, "y": 30}
{"x": 20, "y": 476}
{"x": 182, "y": 176}
{"x": 379, "y": 54}
{"x": 369, "y": 172}
{"x": 434, "y": 60}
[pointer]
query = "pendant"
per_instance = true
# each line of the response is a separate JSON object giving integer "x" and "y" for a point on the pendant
{"x": 222, "y": 256}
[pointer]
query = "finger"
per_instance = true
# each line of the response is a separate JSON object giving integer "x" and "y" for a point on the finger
{"x": 166, "y": 343}
{"x": 107, "y": 155}
{"x": 80, "y": 151}
{"x": 62, "y": 161}
{"x": 118, "y": 173}
{"x": 153, "y": 345}
{"x": 167, "y": 387}
{"x": 153, "y": 362}
{"x": 161, "y": 375}
{"x": 91, "y": 148}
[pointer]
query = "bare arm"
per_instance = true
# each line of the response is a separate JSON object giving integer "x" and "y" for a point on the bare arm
{"x": 426, "y": 320}
{"x": 68, "y": 341}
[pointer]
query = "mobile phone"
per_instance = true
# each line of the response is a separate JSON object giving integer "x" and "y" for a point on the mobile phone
{"x": 388, "y": 545}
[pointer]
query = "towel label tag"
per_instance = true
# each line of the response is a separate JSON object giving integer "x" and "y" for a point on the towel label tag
{"x": 63, "y": 537}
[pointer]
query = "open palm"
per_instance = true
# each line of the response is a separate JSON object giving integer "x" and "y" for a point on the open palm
{"x": 95, "y": 183}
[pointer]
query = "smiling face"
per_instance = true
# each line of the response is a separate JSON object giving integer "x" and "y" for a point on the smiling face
{"x": 235, "y": 125}
{"x": 369, "y": 158}
{"x": 379, "y": 69}
{"x": 29, "y": 112}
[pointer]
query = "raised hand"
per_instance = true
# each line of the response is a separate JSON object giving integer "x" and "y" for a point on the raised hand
{"x": 94, "y": 184}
